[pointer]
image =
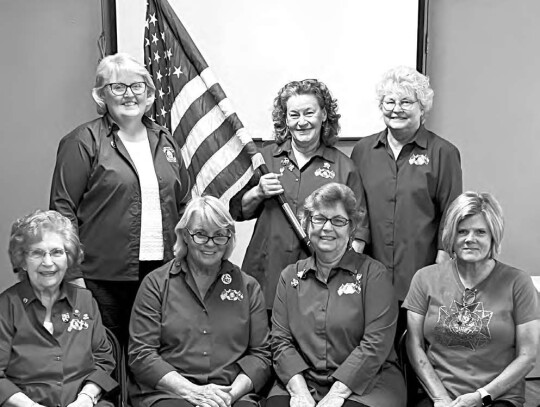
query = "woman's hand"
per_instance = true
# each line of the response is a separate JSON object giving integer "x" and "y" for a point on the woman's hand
{"x": 209, "y": 395}
{"x": 468, "y": 400}
{"x": 81, "y": 401}
{"x": 339, "y": 392}
{"x": 331, "y": 400}
{"x": 269, "y": 185}
{"x": 302, "y": 400}
{"x": 446, "y": 402}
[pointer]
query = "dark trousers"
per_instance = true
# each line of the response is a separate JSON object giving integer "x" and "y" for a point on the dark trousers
{"x": 185, "y": 403}
{"x": 284, "y": 401}
{"x": 115, "y": 299}
{"x": 426, "y": 402}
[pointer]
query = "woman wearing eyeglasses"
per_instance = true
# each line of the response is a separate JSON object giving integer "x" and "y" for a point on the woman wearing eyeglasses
{"x": 198, "y": 330}
{"x": 334, "y": 317}
{"x": 303, "y": 157}
{"x": 410, "y": 176}
{"x": 473, "y": 326}
{"x": 53, "y": 347}
{"x": 121, "y": 181}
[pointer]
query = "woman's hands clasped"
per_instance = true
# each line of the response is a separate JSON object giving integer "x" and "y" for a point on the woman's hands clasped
{"x": 302, "y": 400}
{"x": 209, "y": 395}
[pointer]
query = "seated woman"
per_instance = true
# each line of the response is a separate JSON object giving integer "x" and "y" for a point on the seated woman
{"x": 334, "y": 317}
{"x": 53, "y": 346}
{"x": 198, "y": 328}
{"x": 472, "y": 320}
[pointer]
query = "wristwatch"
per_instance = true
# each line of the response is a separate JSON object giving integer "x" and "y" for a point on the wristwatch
{"x": 485, "y": 396}
{"x": 94, "y": 399}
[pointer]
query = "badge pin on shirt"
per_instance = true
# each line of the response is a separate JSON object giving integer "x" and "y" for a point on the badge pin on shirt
{"x": 226, "y": 278}
{"x": 169, "y": 154}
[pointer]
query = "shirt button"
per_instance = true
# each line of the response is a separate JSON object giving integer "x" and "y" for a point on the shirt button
{"x": 296, "y": 179}
{"x": 205, "y": 331}
{"x": 58, "y": 358}
{"x": 58, "y": 383}
{"x": 205, "y": 353}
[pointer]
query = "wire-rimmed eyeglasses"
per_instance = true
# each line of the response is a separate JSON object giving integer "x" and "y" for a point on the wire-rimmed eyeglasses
{"x": 200, "y": 238}
{"x": 39, "y": 254}
{"x": 120, "y": 89}
{"x": 404, "y": 104}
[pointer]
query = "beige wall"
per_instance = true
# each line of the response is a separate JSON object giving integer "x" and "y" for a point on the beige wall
{"x": 49, "y": 55}
{"x": 483, "y": 61}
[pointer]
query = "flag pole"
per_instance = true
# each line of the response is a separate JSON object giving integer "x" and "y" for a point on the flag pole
{"x": 285, "y": 207}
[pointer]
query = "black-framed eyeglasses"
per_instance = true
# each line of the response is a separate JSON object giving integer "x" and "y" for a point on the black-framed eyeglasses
{"x": 404, "y": 104}
{"x": 39, "y": 254}
{"x": 321, "y": 220}
{"x": 200, "y": 238}
{"x": 469, "y": 296}
{"x": 120, "y": 89}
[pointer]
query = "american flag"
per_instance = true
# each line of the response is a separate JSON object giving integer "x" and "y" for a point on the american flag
{"x": 217, "y": 151}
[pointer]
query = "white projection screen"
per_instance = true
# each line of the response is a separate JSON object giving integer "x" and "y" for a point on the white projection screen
{"x": 255, "y": 47}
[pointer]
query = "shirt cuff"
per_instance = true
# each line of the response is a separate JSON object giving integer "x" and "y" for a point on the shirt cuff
{"x": 256, "y": 370}
{"x": 103, "y": 380}
{"x": 293, "y": 365}
{"x": 7, "y": 389}
{"x": 151, "y": 375}
{"x": 349, "y": 376}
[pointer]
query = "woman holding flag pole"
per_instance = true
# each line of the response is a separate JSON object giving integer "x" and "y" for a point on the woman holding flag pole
{"x": 303, "y": 158}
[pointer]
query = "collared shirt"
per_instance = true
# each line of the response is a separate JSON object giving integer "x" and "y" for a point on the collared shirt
{"x": 206, "y": 340}
{"x": 52, "y": 368}
{"x": 96, "y": 185}
{"x": 469, "y": 346}
{"x": 339, "y": 330}
{"x": 274, "y": 244}
{"x": 407, "y": 199}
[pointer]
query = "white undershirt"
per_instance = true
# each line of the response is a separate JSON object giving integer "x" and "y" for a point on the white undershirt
{"x": 151, "y": 226}
{"x": 49, "y": 326}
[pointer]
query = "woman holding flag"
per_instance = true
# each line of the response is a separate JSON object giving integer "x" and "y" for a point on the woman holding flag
{"x": 303, "y": 158}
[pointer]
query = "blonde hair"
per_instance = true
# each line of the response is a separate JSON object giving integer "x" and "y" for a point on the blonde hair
{"x": 209, "y": 210}
{"x": 113, "y": 64}
{"x": 472, "y": 203}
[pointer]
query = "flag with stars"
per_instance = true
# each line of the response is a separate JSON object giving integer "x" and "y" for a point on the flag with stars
{"x": 217, "y": 151}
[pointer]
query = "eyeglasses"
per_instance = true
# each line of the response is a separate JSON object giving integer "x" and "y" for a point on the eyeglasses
{"x": 404, "y": 104}
{"x": 321, "y": 220}
{"x": 469, "y": 296}
{"x": 39, "y": 254}
{"x": 200, "y": 238}
{"x": 120, "y": 89}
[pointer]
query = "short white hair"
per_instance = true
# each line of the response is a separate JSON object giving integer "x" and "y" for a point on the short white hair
{"x": 113, "y": 64}
{"x": 404, "y": 79}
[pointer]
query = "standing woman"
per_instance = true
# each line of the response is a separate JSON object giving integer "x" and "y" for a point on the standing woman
{"x": 306, "y": 127}
{"x": 410, "y": 176}
{"x": 121, "y": 181}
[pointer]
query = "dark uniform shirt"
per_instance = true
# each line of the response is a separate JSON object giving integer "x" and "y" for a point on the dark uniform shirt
{"x": 340, "y": 330}
{"x": 206, "y": 340}
{"x": 52, "y": 368}
{"x": 274, "y": 244}
{"x": 95, "y": 184}
{"x": 407, "y": 199}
